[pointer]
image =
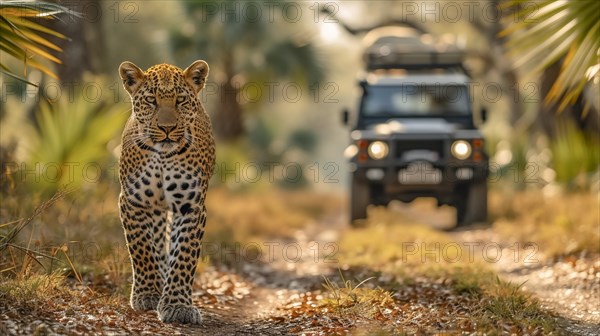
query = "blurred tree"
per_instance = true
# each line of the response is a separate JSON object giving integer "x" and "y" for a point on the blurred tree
{"x": 85, "y": 49}
{"x": 496, "y": 59}
{"x": 246, "y": 43}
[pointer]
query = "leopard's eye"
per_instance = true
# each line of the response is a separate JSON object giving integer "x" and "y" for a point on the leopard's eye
{"x": 180, "y": 99}
{"x": 151, "y": 100}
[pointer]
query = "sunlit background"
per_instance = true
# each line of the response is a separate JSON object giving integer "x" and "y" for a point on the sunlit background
{"x": 281, "y": 73}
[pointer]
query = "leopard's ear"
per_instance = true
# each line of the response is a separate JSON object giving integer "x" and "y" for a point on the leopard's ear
{"x": 132, "y": 77}
{"x": 195, "y": 75}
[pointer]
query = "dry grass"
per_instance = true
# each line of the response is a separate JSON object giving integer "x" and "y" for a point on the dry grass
{"x": 90, "y": 272}
{"x": 562, "y": 224}
{"x": 72, "y": 233}
{"x": 507, "y": 302}
{"x": 30, "y": 290}
{"x": 83, "y": 232}
{"x": 406, "y": 255}
{"x": 257, "y": 215}
{"x": 351, "y": 300}
{"x": 396, "y": 244}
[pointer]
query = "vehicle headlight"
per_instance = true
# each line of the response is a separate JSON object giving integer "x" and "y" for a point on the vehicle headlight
{"x": 378, "y": 150}
{"x": 461, "y": 149}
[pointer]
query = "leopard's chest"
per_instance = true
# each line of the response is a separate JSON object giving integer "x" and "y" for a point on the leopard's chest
{"x": 163, "y": 182}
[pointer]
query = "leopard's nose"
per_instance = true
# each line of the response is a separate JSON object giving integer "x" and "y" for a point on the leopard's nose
{"x": 167, "y": 128}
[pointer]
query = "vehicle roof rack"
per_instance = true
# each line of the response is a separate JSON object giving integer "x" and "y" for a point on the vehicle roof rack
{"x": 392, "y": 52}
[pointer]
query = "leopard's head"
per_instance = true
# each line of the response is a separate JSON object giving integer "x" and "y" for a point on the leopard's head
{"x": 165, "y": 101}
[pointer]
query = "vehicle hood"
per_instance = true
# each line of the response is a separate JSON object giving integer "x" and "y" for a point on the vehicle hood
{"x": 409, "y": 127}
{"x": 405, "y": 127}
{"x": 402, "y": 126}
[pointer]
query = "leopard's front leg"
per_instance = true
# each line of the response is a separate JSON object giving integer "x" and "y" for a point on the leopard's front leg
{"x": 140, "y": 224}
{"x": 187, "y": 230}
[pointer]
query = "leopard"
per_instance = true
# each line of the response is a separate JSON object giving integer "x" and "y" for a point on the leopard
{"x": 167, "y": 159}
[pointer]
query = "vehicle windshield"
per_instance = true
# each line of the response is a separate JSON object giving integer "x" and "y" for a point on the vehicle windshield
{"x": 416, "y": 101}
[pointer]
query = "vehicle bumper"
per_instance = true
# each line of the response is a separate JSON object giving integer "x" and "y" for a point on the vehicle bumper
{"x": 404, "y": 182}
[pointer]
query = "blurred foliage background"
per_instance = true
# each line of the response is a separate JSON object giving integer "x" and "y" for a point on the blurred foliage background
{"x": 280, "y": 74}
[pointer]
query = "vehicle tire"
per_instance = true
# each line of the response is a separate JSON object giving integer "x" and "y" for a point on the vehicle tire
{"x": 360, "y": 198}
{"x": 471, "y": 206}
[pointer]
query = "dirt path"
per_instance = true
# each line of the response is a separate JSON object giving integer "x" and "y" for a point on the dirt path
{"x": 570, "y": 288}
{"x": 250, "y": 301}
{"x": 246, "y": 299}
{"x": 257, "y": 296}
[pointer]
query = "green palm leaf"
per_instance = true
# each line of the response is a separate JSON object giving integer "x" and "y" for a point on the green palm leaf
{"x": 72, "y": 134}
{"x": 21, "y": 38}
{"x": 553, "y": 30}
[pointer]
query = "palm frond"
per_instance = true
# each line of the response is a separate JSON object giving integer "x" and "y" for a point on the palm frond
{"x": 22, "y": 38}
{"x": 73, "y": 133}
{"x": 553, "y": 30}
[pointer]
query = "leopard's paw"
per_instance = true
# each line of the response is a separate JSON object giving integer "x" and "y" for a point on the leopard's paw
{"x": 170, "y": 313}
{"x": 144, "y": 301}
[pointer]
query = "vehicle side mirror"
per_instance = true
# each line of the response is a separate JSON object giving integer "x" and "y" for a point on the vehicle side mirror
{"x": 484, "y": 114}
{"x": 345, "y": 116}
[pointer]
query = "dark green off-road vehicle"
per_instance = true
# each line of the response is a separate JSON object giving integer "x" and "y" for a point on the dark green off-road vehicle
{"x": 414, "y": 133}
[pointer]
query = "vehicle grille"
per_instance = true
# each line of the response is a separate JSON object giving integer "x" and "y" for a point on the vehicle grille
{"x": 403, "y": 146}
